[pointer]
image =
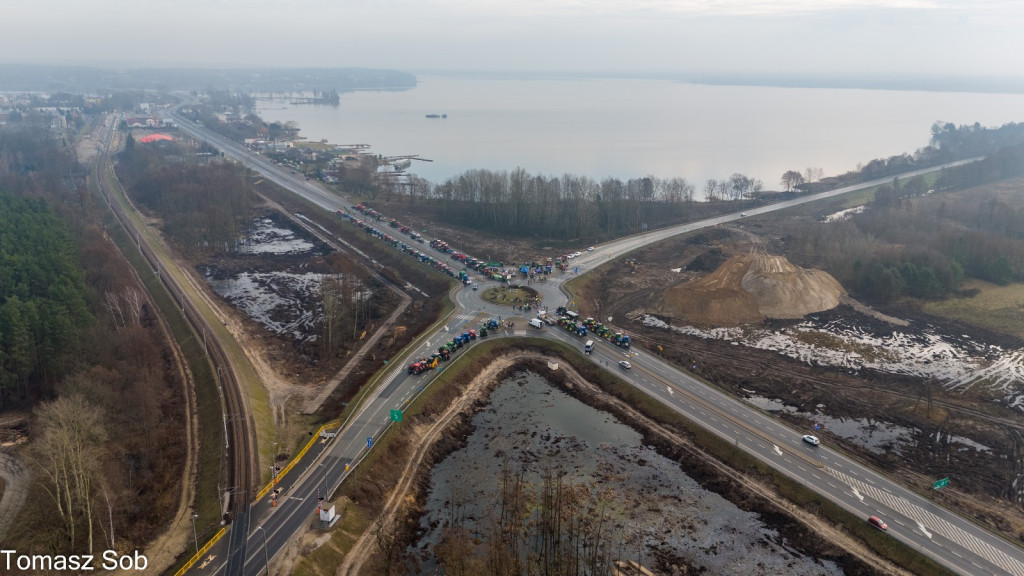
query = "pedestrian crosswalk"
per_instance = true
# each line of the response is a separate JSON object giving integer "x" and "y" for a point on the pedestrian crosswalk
{"x": 930, "y": 523}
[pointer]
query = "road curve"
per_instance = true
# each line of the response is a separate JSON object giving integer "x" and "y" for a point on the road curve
{"x": 940, "y": 534}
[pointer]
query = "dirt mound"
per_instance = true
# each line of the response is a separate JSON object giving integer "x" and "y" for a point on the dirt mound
{"x": 750, "y": 288}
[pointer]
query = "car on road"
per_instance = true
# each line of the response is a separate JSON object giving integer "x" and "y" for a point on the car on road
{"x": 743, "y": 213}
{"x": 877, "y": 523}
{"x": 812, "y": 440}
{"x": 591, "y": 249}
{"x": 625, "y": 365}
{"x": 476, "y": 287}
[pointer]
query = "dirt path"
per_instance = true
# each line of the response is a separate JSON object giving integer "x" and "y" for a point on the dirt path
{"x": 164, "y": 550}
{"x": 424, "y": 438}
{"x": 15, "y": 490}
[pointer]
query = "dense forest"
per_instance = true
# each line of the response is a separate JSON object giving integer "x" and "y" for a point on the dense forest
{"x": 42, "y": 300}
{"x": 576, "y": 207}
{"x": 949, "y": 142}
{"x": 909, "y": 243}
{"x": 83, "y": 354}
{"x": 204, "y": 206}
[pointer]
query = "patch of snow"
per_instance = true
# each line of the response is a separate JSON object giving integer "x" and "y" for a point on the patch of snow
{"x": 957, "y": 362}
{"x": 843, "y": 214}
{"x": 265, "y": 237}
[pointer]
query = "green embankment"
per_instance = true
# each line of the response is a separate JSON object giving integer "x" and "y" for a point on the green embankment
{"x": 211, "y": 429}
{"x": 463, "y": 368}
{"x": 999, "y": 308}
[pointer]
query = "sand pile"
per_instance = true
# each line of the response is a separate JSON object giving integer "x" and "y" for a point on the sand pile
{"x": 751, "y": 288}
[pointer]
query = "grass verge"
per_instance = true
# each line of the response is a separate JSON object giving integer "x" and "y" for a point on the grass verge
{"x": 252, "y": 387}
{"x": 999, "y": 308}
{"x": 367, "y": 480}
{"x": 211, "y": 430}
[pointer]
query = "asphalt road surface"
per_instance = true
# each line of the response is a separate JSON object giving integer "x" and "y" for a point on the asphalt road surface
{"x": 949, "y": 539}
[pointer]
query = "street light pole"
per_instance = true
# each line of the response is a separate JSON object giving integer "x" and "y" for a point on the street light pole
{"x": 194, "y": 537}
{"x": 266, "y": 555}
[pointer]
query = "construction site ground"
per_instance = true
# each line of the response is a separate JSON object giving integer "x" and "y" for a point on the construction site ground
{"x": 626, "y": 292}
{"x": 635, "y": 285}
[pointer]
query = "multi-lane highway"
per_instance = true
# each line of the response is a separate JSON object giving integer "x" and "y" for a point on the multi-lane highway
{"x": 938, "y": 533}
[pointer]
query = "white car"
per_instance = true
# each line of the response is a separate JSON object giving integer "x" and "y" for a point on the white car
{"x": 591, "y": 249}
{"x": 625, "y": 365}
{"x": 812, "y": 440}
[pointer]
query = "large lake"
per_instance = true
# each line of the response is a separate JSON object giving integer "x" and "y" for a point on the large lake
{"x": 628, "y": 128}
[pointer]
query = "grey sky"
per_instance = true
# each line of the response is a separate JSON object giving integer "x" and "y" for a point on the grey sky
{"x": 836, "y": 37}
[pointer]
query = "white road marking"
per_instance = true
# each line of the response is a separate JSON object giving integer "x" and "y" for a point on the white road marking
{"x": 858, "y": 495}
{"x": 777, "y": 449}
{"x": 924, "y": 530}
{"x": 926, "y": 519}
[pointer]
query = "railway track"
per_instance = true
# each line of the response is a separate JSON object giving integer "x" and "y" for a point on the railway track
{"x": 241, "y": 444}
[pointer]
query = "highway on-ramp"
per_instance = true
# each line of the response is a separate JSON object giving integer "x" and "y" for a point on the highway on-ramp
{"x": 951, "y": 540}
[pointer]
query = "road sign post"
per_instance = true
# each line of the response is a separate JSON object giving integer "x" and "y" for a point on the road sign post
{"x": 940, "y": 483}
{"x": 396, "y": 415}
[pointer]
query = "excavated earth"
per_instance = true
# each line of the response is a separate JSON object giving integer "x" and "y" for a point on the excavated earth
{"x": 902, "y": 416}
{"x": 749, "y": 288}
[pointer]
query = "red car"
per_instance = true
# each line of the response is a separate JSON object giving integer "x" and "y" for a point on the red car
{"x": 877, "y": 523}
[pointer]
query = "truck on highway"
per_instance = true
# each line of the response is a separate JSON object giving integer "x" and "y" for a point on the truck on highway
{"x": 588, "y": 347}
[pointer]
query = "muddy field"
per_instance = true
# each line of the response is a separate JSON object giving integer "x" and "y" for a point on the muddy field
{"x": 928, "y": 399}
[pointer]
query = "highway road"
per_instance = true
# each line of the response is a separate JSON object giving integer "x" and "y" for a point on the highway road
{"x": 938, "y": 533}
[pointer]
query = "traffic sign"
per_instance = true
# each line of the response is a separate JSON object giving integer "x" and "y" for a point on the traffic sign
{"x": 940, "y": 483}
{"x": 396, "y": 415}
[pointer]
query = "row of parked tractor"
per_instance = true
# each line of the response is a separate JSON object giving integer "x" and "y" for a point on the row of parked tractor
{"x": 445, "y": 351}
{"x": 581, "y": 327}
{"x": 489, "y": 269}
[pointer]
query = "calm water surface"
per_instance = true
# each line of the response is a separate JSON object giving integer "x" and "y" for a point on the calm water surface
{"x": 629, "y": 128}
{"x": 650, "y": 503}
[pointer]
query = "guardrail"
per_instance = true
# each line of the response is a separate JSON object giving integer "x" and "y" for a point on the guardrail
{"x": 206, "y": 547}
{"x": 295, "y": 459}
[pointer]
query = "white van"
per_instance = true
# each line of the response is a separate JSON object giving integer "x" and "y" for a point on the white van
{"x": 588, "y": 347}
{"x": 536, "y": 323}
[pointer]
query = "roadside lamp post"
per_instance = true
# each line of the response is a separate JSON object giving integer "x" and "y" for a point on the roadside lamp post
{"x": 266, "y": 555}
{"x": 194, "y": 537}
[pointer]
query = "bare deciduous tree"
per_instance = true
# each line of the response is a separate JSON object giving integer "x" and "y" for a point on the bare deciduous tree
{"x": 791, "y": 179}
{"x": 69, "y": 450}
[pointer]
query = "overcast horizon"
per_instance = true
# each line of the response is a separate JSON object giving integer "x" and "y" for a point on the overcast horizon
{"x": 830, "y": 38}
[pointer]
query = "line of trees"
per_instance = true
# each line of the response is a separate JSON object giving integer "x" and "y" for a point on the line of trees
{"x": 203, "y": 206}
{"x": 949, "y": 142}
{"x": 567, "y": 207}
{"x": 912, "y": 244}
{"x": 82, "y": 350}
{"x": 736, "y": 187}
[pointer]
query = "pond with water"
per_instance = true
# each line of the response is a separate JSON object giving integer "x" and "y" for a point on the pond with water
{"x": 651, "y": 508}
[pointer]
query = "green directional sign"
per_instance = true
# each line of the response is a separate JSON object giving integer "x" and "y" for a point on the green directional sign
{"x": 396, "y": 415}
{"x": 940, "y": 483}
